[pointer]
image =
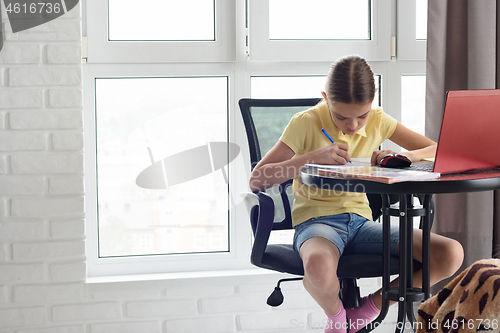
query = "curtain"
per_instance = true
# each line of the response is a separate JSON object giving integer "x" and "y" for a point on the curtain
{"x": 462, "y": 54}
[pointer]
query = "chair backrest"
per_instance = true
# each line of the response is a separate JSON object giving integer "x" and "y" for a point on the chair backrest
{"x": 265, "y": 120}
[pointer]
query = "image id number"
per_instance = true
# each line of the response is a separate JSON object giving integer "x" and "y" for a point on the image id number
{"x": 33, "y": 8}
{"x": 484, "y": 324}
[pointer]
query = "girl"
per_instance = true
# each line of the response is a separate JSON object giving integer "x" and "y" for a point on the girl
{"x": 327, "y": 223}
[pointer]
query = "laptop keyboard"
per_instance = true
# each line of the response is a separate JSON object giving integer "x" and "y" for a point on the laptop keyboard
{"x": 422, "y": 167}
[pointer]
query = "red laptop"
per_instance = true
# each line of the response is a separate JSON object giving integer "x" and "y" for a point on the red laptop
{"x": 470, "y": 132}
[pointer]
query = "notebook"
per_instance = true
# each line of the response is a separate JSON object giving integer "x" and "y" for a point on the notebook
{"x": 470, "y": 132}
{"x": 361, "y": 168}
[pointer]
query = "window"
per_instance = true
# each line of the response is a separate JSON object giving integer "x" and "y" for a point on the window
{"x": 421, "y": 20}
{"x": 141, "y": 118}
{"x": 162, "y": 31}
{"x": 187, "y": 20}
{"x": 412, "y": 31}
{"x": 157, "y": 93}
{"x": 319, "y": 20}
{"x": 318, "y": 30}
{"x": 413, "y": 102}
{"x": 156, "y": 143}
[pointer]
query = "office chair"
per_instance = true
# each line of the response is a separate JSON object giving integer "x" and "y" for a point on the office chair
{"x": 265, "y": 120}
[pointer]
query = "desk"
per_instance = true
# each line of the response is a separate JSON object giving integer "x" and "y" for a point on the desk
{"x": 405, "y": 294}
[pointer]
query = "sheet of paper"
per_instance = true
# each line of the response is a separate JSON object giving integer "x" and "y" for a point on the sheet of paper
{"x": 355, "y": 162}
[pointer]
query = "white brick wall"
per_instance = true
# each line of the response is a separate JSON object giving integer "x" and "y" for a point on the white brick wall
{"x": 42, "y": 249}
{"x": 43, "y": 285}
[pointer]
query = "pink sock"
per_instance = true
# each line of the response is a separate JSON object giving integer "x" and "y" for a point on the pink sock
{"x": 362, "y": 316}
{"x": 337, "y": 323}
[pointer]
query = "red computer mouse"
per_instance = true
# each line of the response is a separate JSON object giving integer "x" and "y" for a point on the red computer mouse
{"x": 395, "y": 161}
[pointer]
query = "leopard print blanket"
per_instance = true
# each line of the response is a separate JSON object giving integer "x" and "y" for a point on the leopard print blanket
{"x": 469, "y": 303}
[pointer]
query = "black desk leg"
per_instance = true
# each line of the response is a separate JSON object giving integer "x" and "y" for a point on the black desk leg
{"x": 405, "y": 294}
{"x": 386, "y": 252}
{"x": 403, "y": 253}
{"x": 426, "y": 239}
{"x": 409, "y": 256}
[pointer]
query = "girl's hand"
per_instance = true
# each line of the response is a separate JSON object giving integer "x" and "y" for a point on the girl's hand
{"x": 335, "y": 154}
{"x": 279, "y": 164}
{"x": 378, "y": 155}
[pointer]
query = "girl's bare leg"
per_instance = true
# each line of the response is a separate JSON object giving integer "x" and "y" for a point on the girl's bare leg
{"x": 320, "y": 258}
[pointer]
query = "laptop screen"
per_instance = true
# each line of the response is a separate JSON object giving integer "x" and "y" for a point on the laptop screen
{"x": 470, "y": 132}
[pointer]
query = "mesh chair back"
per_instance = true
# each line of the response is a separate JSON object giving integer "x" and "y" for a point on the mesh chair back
{"x": 265, "y": 120}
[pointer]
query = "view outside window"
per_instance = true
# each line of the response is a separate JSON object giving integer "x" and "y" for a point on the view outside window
{"x": 413, "y": 102}
{"x": 421, "y": 24}
{"x": 319, "y": 19}
{"x": 162, "y": 165}
{"x": 153, "y": 20}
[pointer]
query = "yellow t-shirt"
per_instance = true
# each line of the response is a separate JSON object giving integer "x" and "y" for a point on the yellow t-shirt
{"x": 303, "y": 134}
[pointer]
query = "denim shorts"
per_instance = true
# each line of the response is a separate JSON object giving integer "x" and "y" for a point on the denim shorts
{"x": 351, "y": 233}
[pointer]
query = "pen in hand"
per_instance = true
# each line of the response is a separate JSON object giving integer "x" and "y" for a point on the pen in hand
{"x": 329, "y": 137}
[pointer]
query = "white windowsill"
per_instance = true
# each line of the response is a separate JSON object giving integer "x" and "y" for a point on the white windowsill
{"x": 255, "y": 275}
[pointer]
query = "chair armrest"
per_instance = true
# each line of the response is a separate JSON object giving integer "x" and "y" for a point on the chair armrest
{"x": 260, "y": 208}
{"x": 251, "y": 200}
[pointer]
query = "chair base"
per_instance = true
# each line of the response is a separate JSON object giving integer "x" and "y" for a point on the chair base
{"x": 276, "y": 298}
{"x": 349, "y": 293}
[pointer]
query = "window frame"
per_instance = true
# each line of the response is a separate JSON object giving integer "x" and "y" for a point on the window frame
{"x": 113, "y": 60}
{"x": 239, "y": 233}
{"x": 408, "y": 47}
{"x": 100, "y": 50}
{"x": 261, "y": 48}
